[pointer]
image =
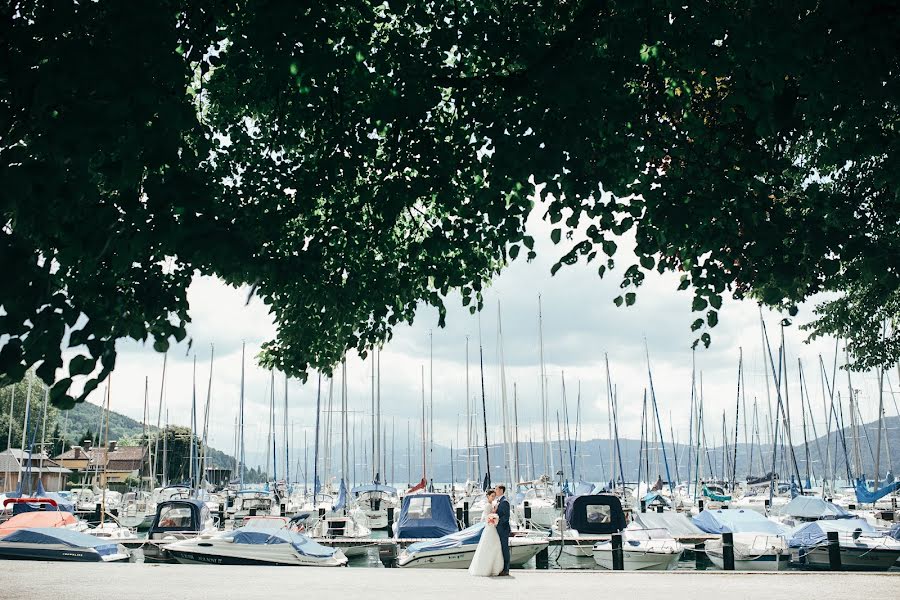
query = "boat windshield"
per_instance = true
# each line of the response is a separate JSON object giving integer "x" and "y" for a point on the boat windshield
{"x": 419, "y": 508}
{"x": 265, "y": 523}
{"x": 175, "y": 516}
{"x": 598, "y": 513}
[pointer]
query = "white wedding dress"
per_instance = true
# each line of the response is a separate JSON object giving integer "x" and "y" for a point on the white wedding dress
{"x": 488, "y": 559}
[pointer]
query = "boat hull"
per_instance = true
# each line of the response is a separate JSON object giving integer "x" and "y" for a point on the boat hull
{"x": 55, "y": 552}
{"x": 852, "y": 559}
{"x": 520, "y": 552}
{"x": 639, "y": 561}
{"x": 226, "y": 553}
{"x": 765, "y": 562}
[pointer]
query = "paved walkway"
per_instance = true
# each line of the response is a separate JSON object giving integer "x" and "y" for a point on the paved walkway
{"x": 197, "y": 582}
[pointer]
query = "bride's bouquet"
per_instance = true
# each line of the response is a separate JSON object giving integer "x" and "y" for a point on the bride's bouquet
{"x": 493, "y": 519}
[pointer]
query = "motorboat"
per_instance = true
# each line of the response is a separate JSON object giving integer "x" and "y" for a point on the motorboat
{"x": 38, "y": 519}
{"x": 863, "y": 548}
{"x": 679, "y": 526}
{"x": 759, "y": 544}
{"x": 586, "y": 517}
{"x": 424, "y": 516}
{"x": 642, "y": 550}
{"x": 372, "y": 502}
{"x": 804, "y": 509}
{"x": 538, "y": 509}
{"x": 456, "y": 550}
{"x": 59, "y": 544}
{"x": 137, "y": 510}
{"x": 256, "y": 545}
{"x": 177, "y": 520}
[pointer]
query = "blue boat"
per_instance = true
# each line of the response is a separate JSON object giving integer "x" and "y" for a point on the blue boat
{"x": 59, "y": 544}
{"x": 426, "y": 516}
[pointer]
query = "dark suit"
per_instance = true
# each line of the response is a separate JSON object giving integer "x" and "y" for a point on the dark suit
{"x": 503, "y": 530}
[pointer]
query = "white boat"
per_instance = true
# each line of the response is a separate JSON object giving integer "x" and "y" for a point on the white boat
{"x": 59, "y": 544}
{"x": 586, "y": 517}
{"x": 371, "y": 504}
{"x": 256, "y": 546}
{"x": 455, "y": 551}
{"x": 752, "y": 552}
{"x": 642, "y": 550}
{"x": 537, "y": 508}
{"x": 862, "y": 547}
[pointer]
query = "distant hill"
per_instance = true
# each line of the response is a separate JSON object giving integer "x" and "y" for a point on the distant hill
{"x": 86, "y": 416}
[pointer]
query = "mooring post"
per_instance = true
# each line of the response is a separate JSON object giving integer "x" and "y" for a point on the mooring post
{"x": 282, "y": 509}
{"x": 700, "y": 504}
{"x": 834, "y": 551}
{"x": 728, "y": 551}
{"x": 643, "y": 506}
{"x": 527, "y": 511}
{"x": 390, "y": 517}
{"x": 221, "y": 515}
{"x": 618, "y": 556}
{"x": 659, "y": 509}
{"x": 466, "y": 520}
{"x": 459, "y": 517}
{"x": 542, "y": 559}
{"x": 560, "y": 501}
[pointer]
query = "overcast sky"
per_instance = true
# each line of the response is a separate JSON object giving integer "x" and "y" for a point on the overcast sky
{"x": 580, "y": 324}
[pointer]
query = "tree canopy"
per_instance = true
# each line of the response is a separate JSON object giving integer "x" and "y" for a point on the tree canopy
{"x": 352, "y": 160}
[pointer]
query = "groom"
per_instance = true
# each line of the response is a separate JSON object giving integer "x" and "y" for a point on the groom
{"x": 503, "y": 527}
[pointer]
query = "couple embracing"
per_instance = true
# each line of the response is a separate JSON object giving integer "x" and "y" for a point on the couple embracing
{"x": 492, "y": 555}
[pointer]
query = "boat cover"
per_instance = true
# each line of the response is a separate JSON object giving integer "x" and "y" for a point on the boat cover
{"x": 676, "y": 524}
{"x": 374, "y": 487}
{"x": 426, "y": 516}
{"x": 864, "y": 496}
{"x": 584, "y": 487}
{"x": 736, "y": 521}
{"x": 63, "y": 504}
{"x": 657, "y": 498}
{"x": 467, "y": 537}
{"x": 42, "y": 518}
{"x": 595, "y": 514}
{"x": 258, "y": 536}
{"x": 342, "y": 497}
{"x": 895, "y": 532}
{"x": 816, "y": 533}
{"x": 810, "y": 507}
{"x": 714, "y": 496}
{"x": 60, "y": 535}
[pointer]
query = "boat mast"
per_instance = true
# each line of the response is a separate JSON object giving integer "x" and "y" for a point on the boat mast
{"x": 548, "y": 460}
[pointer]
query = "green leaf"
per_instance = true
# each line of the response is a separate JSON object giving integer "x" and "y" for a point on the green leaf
{"x": 629, "y": 298}
{"x": 647, "y": 262}
{"x": 555, "y": 235}
{"x": 618, "y": 300}
{"x": 699, "y": 304}
{"x": 712, "y": 317}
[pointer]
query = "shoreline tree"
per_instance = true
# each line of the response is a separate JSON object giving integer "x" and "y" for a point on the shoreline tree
{"x": 349, "y": 162}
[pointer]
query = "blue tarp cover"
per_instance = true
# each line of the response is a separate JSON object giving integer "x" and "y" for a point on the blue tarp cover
{"x": 735, "y": 521}
{"x": 582, "y": 488}
{"x": 895, "y": 532}
{"x": 438, "y": 520}
{"x": 63, "y": 504}
{"x": 864, "y": 496}
{"x": 466, "y": 537}
{"x": 258, "y": 536}
{"x": 61, "y": 535}
{"x": 807, "y": 507}
{"x": 815, "y": 533}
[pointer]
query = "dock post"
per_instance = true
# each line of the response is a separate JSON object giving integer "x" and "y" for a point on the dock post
{"x": 618, "y": 556}
{"x": 459, "y": 516}
{"x": 643, "y": 506}
{"x": 560, "y": 501}
{"x": 659, "y": 509}
{"x": 390, "y": 519}
{"x": 700, "y": 504}
{"x": 728, "y": 551}
{"x": 834, "y": 551}
{"x": 542, "y": 559}
{"x": 221, "y": 515}
{"x": 466, "y": 513}
{"x": 282, "y": 508}
{"x": 893, "y": 502}
{"x": 526, "y": 510}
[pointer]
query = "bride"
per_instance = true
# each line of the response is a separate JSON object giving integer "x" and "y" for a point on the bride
{"x": 488, "y": 559}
